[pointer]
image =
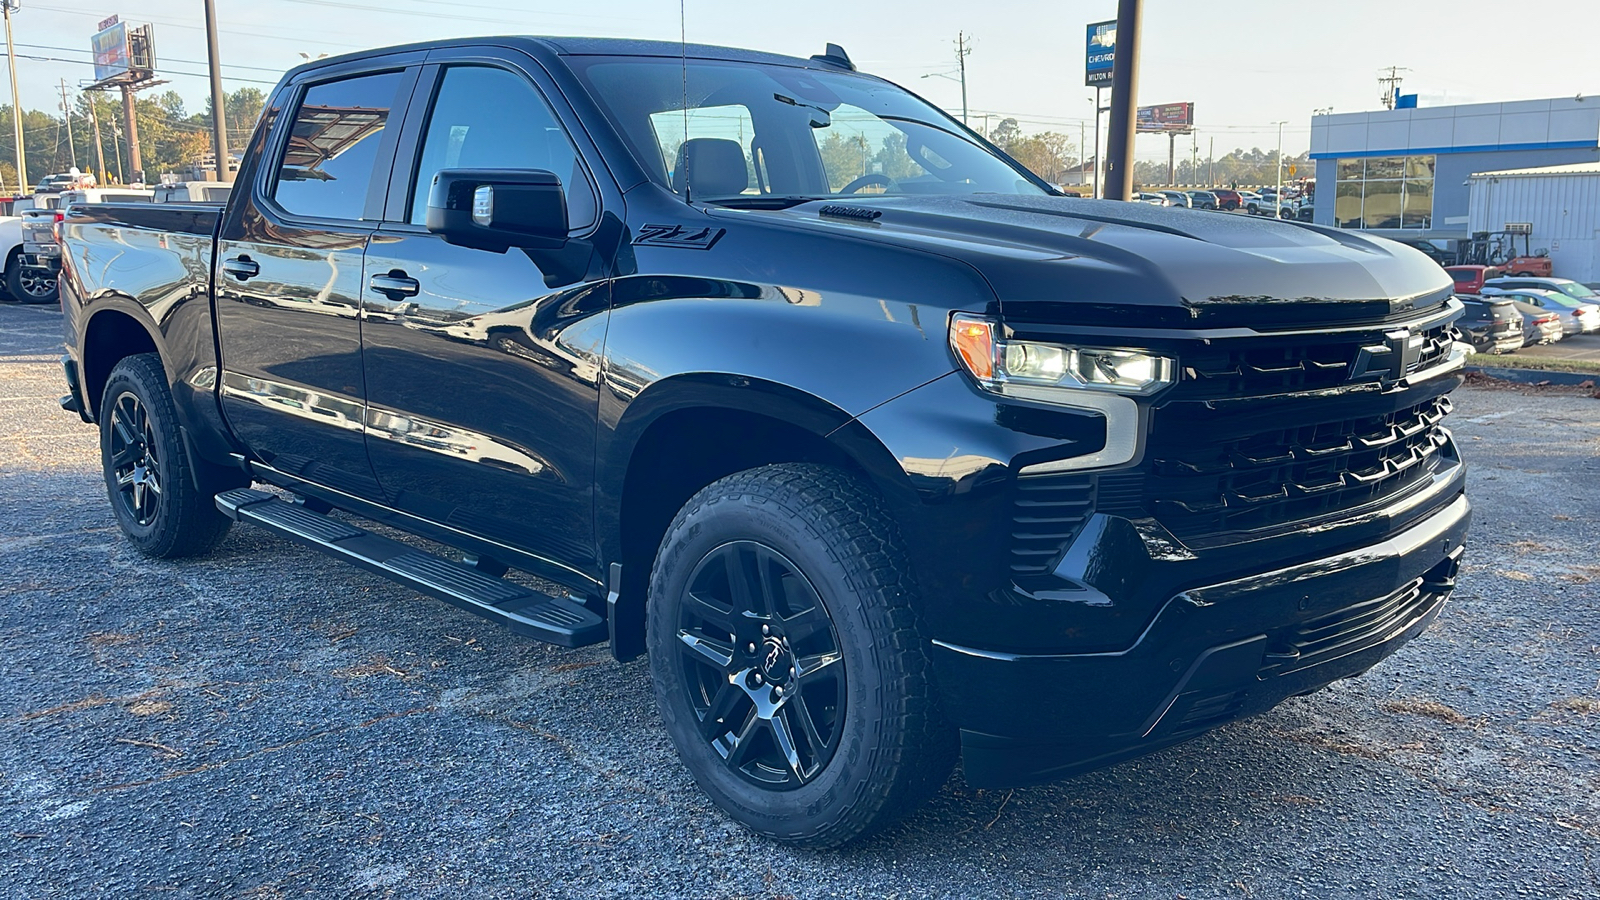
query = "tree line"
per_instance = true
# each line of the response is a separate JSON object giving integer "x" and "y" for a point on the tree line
{"x": 171, "y": 139}
{"x": 1055, "y": 158}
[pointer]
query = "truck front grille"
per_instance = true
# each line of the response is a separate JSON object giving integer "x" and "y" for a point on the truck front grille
{"x": 1256, "y": 367}
{"x": 1260, "y": 436}
{"x": 1199, "y": 488}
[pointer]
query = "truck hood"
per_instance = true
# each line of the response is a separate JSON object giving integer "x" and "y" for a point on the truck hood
{"x": 1063, "y": 260}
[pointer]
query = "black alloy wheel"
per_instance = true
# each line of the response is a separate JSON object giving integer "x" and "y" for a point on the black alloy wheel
{"x": 789, "y": 658}
{"x": 762, "y": 665}
{"x": 162, "y": 503}
{"x": 135, "y": 463}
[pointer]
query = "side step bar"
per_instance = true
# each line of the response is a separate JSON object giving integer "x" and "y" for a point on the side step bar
{"x": 556, "y": 620}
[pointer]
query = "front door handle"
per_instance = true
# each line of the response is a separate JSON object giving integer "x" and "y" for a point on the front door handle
{"x": 394, "y": 285}
{"x": 241, "y": 267}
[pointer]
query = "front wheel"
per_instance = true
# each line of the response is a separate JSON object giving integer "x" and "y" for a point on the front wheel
{"x": 788, "y": 659}
{"x": 153, "y": 494}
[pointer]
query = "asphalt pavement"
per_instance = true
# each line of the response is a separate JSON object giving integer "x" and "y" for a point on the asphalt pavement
{"x": 267, "y": 723}
{"x": 1577, "y": 346}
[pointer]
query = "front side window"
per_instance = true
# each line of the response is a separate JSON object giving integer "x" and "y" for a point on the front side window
{"x": 739, "y": 132}
{"x": 490, "y": 118}
{"x": 333, "y": 143}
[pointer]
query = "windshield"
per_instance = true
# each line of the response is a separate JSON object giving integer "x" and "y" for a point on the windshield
{"x": 1581, "y": 292}
{"x": 752, "y": 131}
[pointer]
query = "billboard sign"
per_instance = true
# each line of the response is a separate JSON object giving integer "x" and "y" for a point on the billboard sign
{"x": 1177, "y": 118}
{"x": 1101, "y": 54}
{"x": 110, "y": 51}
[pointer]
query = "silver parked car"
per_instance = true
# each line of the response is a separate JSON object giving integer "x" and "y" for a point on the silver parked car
{"x": 1577, "y": 317}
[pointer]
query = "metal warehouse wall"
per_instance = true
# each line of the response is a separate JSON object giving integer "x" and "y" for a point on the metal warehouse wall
{"x": 1564, "y": 210}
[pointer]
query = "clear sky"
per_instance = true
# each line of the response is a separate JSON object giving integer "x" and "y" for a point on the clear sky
{"x": 1244, "y": 63}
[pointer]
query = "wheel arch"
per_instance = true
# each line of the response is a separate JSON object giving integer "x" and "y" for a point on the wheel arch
{"x": 684, "y": 433}
{"x": 109, "y": 336}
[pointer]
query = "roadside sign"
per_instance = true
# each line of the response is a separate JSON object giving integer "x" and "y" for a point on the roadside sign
{"x": 1101, "y": 54}
{"x": 110, "y": 46}
{"x": 1176, "y": 118}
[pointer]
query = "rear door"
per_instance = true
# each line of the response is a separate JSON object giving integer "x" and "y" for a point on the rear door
{"x": 482, "y": 366}
{"x": 289, "y": 273}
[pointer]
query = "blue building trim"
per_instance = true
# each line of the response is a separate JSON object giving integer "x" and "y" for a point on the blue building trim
{"x": 1475, "y": 148}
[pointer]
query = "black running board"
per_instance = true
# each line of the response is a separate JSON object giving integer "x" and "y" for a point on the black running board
{"x": 556, "y": 620}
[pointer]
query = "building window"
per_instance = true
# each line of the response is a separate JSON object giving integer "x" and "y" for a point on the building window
{"x": 1384, "y": 192}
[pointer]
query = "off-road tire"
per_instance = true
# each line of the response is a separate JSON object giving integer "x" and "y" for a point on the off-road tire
{"x": 184, "y": 521}
{"x": 894, "y": 746}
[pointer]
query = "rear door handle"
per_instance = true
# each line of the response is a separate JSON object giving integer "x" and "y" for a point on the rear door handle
{"x": 241, "y": 267}
{"x": 394, "y": 285}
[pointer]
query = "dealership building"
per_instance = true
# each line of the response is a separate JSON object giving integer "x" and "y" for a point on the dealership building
{"x": 1409, "y": 172}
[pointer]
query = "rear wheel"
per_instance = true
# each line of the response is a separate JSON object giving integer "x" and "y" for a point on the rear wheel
{"x": 147, "y": 473}
{"x": 788, "y": 661}
{"x": 30, "y": 285}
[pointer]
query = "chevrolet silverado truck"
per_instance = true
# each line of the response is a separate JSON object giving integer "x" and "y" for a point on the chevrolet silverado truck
{"x": 885, "y": 453}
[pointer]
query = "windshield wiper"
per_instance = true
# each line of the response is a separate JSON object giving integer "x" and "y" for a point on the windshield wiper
{"x": 761, "y": 201}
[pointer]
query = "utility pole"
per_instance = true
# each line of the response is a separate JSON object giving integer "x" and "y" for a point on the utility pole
{"x": 1211, "y": 163}
{"x": 219, "y": 128}
{"x": 963, "y": 48}
{"x": 1391, "y": 82}
{"x": 1124, "y": 99}
{"x": 66, "y": 109}
{"x": 116, "y": 152}
{"x": 100, "y": 174}
{"x": 130, "y": 121}
{"x": 1194, "y": 156}
{"x": 16, "y": 101}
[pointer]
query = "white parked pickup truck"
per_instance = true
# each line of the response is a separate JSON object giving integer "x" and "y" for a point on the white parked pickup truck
{"x": 33, "y": 279}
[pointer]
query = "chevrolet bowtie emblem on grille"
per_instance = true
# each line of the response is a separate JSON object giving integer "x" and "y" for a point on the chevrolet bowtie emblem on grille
{"x": 1391, "y": 360}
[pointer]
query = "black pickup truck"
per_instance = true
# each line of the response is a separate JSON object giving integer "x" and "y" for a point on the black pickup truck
{"x": 884, "y": 452}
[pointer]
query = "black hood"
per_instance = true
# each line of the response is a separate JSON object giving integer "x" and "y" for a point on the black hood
{"x": 1102, "y": 262}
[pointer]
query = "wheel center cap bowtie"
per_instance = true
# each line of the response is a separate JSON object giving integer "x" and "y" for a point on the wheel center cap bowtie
{"x": 777, "y": 660}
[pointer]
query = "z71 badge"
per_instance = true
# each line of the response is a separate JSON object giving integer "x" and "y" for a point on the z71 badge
{"x": 678, "y": 236}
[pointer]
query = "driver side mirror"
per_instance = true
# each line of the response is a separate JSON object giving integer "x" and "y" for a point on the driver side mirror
{"x": 496, "y": 209}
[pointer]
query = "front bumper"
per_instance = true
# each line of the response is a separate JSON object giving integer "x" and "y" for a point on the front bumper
{"x": 1212, "y": 654}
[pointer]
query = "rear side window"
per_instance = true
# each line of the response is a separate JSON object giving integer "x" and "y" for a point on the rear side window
{"x": 332, "y": 152}
{"x": 489, "y": 118}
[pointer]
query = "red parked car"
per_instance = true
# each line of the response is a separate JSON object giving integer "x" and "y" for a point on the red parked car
{"x": 1227, "y": 199}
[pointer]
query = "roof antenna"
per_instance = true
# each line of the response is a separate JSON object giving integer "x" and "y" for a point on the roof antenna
{"x": 683, "y": 47}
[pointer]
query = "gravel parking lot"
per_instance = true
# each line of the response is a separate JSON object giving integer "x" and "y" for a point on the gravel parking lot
{"x": 268, "y": 723}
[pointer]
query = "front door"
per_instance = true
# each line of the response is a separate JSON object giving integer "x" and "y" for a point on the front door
{"x": 289, "y": 277}
{"x": 481, "y": 366}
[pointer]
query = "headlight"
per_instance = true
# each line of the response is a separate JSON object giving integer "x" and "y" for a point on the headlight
{"x": 996, "y": 362}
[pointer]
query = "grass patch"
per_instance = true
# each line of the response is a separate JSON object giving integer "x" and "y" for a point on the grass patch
{"x": 1541, "y": 363}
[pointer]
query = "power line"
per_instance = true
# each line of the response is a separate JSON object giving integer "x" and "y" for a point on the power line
{"x": 162, "y": 71}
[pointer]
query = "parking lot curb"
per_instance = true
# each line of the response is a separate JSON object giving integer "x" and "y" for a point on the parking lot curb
{"x": 1535, "y": 376}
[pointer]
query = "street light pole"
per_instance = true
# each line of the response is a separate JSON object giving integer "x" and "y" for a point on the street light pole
{"x": 1277, "y": 197}
{"x": 219, "y": 127}
{"x": 16, "y": 102}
